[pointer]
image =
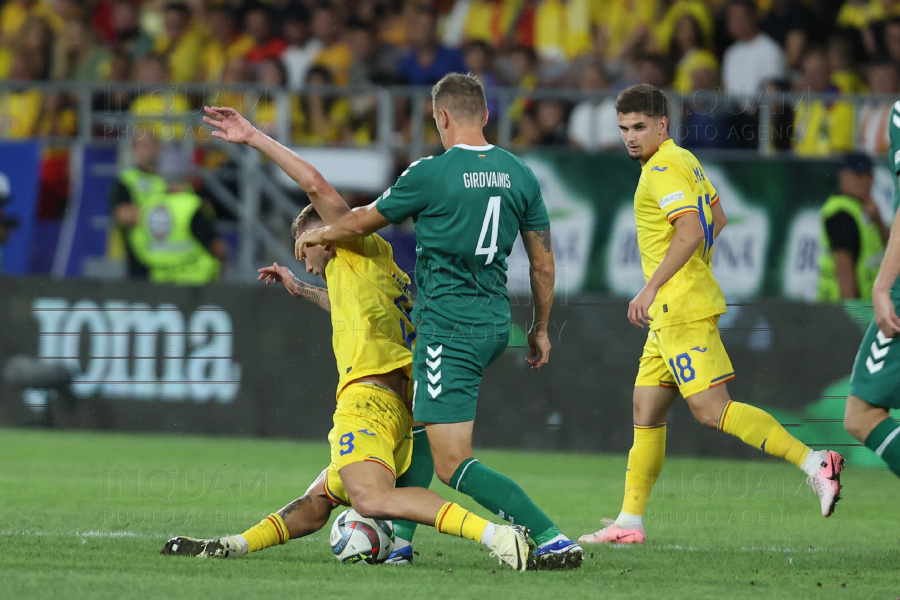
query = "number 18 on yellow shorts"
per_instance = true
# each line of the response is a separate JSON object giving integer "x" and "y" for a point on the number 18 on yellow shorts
{"x": 370, "y": 424}
{"x": 689, "y": 356}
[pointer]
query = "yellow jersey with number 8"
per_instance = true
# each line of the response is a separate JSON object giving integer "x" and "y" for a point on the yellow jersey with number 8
{"x": 673, "y": 184}
{"x": 370, "y": 305}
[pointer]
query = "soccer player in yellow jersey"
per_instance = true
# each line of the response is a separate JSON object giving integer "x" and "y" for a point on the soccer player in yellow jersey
{"x": 371, "y": 442}
{"x": 678, "y": 216}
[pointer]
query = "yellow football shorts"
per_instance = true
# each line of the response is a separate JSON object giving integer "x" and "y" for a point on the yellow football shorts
{"x": 371, "y": 424}
{"x": 689, "y": 356}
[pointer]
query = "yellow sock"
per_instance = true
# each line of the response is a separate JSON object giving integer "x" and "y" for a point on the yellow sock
{"x": 760, "y": 430}
{"x": 271, "y": 531}
{"x": 645, "y": 461}
{"x": 455, "y": 520}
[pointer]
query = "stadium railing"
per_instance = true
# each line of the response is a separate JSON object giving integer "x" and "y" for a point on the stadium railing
{"x": 391, "y": 106}
{"x": 398, "y": 118}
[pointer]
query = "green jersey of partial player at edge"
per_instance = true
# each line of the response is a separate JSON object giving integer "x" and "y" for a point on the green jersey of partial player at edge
{"x": 468, "y": 204}
{"x": 894, "y": 163}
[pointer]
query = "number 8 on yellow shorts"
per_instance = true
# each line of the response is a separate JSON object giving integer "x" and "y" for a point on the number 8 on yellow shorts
{"x": 371, "y": 424}
{"x": 689, "y": 356}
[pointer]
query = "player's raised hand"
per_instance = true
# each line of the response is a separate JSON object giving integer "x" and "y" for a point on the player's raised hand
{"x": 312, "y": 237}
{"x": 276, "y": 274}
{"x": 231, "y": 126}
{"x": 885, "y": 316}
{"x": 539, "y": 342}
{"x": 639, "y": 308}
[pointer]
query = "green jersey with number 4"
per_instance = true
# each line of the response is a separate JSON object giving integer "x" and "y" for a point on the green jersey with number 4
{"x": 468, "y": 205}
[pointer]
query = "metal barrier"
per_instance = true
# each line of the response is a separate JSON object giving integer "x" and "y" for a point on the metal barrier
{"x": 391, "y": 106}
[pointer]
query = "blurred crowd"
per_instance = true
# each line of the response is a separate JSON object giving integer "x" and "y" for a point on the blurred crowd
{"x": 745, "y": 48}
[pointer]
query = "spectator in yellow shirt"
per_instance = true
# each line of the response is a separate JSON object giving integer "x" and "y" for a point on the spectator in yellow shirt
{"x": 226, "y": 42}
{"x": 858, "y": 14}
{"x": 34, "y": 44}
{"x": 15, "y": 12}
{"x": 20, "y": 111}
{"x": 335, "y": 55}
{"x": 562, "y": 29}
{"x": 679, "y": 9}
{"x": 319, "y": 119}
{"x": 158, "y": 100}
{"x": 181, "y": 44}
{"x": 844, "y": 74}
{"x": 629, "y": 24}
{"x": 687, "y": 52}
{"x": 273, "y": 76}
{"x": 821, "y": 127}
{"x": 490, "y": 20}
{"x": 314, "y": 119}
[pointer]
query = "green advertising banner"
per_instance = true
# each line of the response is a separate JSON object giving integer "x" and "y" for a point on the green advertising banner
{"x": 770, "y": 247}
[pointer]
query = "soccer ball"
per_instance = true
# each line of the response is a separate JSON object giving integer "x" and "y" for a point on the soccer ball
{"x": 356, "y": 539}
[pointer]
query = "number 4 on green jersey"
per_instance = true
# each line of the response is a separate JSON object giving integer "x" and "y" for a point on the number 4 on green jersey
{"x": 468, "y": 205}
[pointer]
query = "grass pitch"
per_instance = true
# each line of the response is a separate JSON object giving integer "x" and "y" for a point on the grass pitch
{"x": 84, "y": 516}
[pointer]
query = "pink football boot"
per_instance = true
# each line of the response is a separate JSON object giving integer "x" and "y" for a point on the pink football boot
{"x": 612, "y": 534}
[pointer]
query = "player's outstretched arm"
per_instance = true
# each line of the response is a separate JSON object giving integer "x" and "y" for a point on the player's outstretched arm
{"x": 885, "y": 315}
{"x": 278, "y": 274}
{"x": 688, "y": 235}
{"x": 234, "y": 128}
{"x": 353, "y": 225}
{"x": 543, "y": 275}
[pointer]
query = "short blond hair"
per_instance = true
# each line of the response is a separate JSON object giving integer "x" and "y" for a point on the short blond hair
{"x": 462, "y": 95}
{"x": 306, "y": 217}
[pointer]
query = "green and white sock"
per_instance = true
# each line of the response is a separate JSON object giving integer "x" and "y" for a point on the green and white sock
{"x": 503, "y": 497}
{"x": 884, "y": 441}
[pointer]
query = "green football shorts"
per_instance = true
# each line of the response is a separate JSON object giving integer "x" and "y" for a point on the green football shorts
{"x": 876, "y": 371}
{"x": 447, "y": 371}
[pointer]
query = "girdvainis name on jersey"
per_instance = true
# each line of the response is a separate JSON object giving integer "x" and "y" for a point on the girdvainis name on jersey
{"x": 492, "y": 179}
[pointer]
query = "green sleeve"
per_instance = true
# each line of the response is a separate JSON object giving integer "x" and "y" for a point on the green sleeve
{"x": 894, "y": 132}
{"x": 535, "y": 217}
{"x": 409, "y": 195}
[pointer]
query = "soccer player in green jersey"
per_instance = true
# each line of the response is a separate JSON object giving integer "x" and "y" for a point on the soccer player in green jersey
{"x": 469, "y": 205}
{"x": 875, "y": 382}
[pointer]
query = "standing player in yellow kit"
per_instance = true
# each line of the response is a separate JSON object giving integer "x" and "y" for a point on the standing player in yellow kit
{"x": 678, "y": 216}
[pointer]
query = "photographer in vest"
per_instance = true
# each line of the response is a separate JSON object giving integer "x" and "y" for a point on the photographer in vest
{"x": 169, "y": 234}
{"x": 853, "y": 235}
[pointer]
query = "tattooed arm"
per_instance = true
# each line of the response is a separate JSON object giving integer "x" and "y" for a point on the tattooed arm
{"x": 279, "y": 274}
{"x": 316, "y": 295}
{"x": 543, "y": 274}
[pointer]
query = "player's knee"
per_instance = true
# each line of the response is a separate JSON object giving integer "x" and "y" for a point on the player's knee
{"x": 445, "y": 471}
{"x": 369, "y": 505}
{"x": 705, "y": 416}
{"x": 853, "y": 423}
{"x": 447, "y": 460}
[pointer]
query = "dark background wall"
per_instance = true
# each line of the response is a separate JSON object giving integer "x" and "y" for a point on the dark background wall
{"x": 272, "y": 372}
